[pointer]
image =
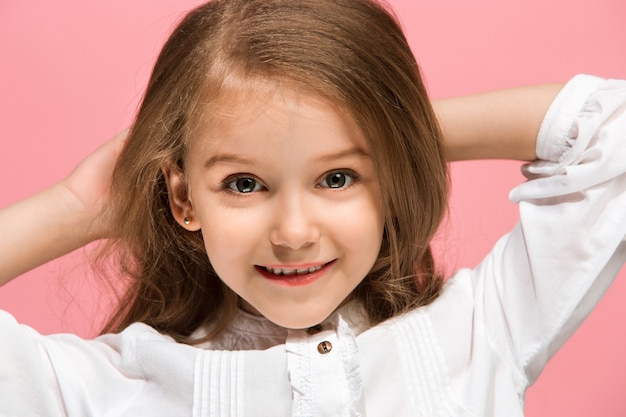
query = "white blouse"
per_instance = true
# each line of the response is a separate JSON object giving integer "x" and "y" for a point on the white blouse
{"x": 473, "y": 352}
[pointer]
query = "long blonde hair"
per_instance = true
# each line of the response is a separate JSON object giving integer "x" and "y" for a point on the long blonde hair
{"x": 350, "y": 52}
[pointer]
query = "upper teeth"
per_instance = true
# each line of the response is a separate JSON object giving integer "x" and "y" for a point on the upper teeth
{"x": 299, "y": 271}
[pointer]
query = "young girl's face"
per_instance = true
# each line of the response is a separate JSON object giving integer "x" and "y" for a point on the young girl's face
{"x": 283, "y": 187}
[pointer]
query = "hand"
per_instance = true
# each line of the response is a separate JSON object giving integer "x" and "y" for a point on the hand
{"x": 90, "y": 181}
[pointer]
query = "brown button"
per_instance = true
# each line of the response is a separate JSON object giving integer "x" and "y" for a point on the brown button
{"x": 314, "y": 330}
{"x": 324, "y": 347}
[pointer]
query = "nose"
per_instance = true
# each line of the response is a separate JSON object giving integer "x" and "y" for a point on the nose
{"x": 295, "y": 225}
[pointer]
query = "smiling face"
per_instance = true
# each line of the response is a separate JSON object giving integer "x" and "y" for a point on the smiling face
{"x": 285, "y": 193}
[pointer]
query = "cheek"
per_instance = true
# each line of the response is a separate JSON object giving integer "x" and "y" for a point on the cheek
{"x": 361, "y": 228}
{"x": 231, "y": 235}
{"x": 375, "y": 225}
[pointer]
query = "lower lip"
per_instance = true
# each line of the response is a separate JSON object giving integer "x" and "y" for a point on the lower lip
{"x": 295, "y": 280}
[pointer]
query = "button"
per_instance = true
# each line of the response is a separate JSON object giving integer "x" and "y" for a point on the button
{"x": 324, "y": 347}
{"x": 314, "y": 330}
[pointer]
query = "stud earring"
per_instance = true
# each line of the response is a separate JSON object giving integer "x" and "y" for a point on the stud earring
{"x": 187, "y": 220}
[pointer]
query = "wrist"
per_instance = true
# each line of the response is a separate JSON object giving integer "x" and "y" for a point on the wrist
{"x": 79, "y": 219}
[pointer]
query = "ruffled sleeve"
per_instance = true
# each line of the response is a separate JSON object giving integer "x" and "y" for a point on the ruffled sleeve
{"x": 544, "y": 278}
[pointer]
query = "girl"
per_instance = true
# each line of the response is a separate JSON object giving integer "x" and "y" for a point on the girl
{"x": 276, "y": 184}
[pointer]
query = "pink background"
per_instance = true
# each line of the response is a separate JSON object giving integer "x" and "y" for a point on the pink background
{"x": 73, "y": 72}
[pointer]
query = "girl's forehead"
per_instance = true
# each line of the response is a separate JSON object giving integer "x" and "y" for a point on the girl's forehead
{"x": 271, "y": 116}
{"x": 244, "y": 102}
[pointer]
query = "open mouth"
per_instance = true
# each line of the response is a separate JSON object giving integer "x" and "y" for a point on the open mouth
{"x": 278, "y": 272}
{"x": 302, "y": 271}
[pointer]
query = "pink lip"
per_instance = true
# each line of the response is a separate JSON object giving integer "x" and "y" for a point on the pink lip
{"x": 295, "y": 280}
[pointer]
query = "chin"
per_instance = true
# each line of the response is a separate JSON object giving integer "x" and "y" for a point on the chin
{"x": 298, "y": 321}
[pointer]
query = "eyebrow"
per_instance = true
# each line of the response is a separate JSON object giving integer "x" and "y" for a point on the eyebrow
{"x": 226, "y": 158}
{"x": 350, "y": 152}
{"x": 238, "y": 159}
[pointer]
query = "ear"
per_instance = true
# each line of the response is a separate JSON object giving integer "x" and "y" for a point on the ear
{"x": 178, "y": 196}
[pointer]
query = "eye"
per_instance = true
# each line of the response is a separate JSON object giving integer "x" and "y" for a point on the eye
{"x": 338, "y": 179}
{"x": 243, "y": 185}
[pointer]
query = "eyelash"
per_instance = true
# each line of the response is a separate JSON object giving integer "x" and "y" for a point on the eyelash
{"x": 229, "y": 184}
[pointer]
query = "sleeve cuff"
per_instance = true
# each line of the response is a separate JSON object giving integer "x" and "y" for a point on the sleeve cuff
{"x": 554, "y": 132}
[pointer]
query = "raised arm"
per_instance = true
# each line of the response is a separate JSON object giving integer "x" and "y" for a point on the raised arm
{"x": 60, "y": 219}
{"x": 501, "y": 124}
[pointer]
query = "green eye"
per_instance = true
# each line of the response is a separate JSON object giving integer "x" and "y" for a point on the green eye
{"x": 337, "y": 180}
{"x": 244, "y": 185}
